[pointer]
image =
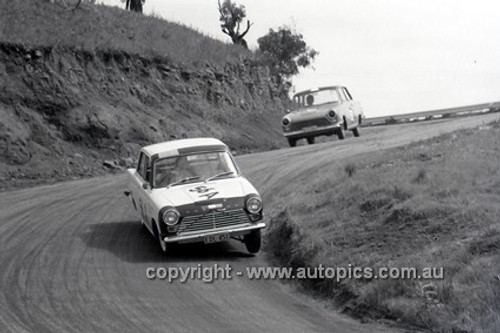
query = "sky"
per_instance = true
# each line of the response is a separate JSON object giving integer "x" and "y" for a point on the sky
{"x": 395, "y": 56}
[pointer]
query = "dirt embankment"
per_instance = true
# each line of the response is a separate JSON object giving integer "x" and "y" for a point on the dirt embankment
{"x": 72, "y": 113}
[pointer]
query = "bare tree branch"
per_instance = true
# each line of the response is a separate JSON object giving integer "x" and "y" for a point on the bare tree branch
{"x": 247, "y": 29}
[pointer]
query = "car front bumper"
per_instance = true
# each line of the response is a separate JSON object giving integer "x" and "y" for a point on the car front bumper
{"x": 198, "y": 236}
{"x": 323, "y": 130}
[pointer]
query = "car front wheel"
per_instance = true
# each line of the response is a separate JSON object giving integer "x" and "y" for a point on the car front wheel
{"x": 292, "y": 142}
{"x": 355, "y": 131}
{"x": 340, "y": 134}
{"x": 163, "y": 246}
{"x": 310, "y": 140}
{"x": 253, "y": 241}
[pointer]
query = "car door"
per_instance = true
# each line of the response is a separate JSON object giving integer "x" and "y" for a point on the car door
{"x": 142, "y": 188}
{"x": 345, "y": 108}
{"x": 355, "y": 106}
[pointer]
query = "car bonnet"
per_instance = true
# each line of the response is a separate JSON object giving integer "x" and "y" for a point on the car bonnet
{"x": 201, "y": 192}
{"x": 312, "y": 111}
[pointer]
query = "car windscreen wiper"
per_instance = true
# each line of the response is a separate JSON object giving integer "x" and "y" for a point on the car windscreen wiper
{"x": 184, "y": 180}
{"x": 223, "y": 174}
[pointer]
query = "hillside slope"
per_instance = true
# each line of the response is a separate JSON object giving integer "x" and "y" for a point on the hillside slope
{"x": 65, "y": 110}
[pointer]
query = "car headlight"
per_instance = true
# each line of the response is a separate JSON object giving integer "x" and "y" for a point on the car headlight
{"x": 331, "y": 114}
{"x": 171, "y": 216}
{"x": 286, "y": 121}
{"x": 254, "y": 205}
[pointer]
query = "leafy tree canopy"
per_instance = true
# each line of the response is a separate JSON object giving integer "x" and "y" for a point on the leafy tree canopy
{"x": 284, "y": 51}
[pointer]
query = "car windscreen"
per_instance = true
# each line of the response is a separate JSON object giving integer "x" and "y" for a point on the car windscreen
{"x": 193, "y": 167}
{"x": 317, "y": 97}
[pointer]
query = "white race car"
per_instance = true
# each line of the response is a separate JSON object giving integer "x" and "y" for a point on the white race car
{"x": 191, "y": 190}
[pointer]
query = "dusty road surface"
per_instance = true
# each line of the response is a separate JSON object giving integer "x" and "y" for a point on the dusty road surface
{"x": 73, "y": 256}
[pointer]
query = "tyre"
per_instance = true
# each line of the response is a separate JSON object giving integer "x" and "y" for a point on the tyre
{"x": 355, "y": 131}
{"x": 162, "y": 245}
{"x": 340, "y": 134}
{"x": 292, "y": 142}
{"x": 253, "y": 241}
{"x": 310, "y": 140}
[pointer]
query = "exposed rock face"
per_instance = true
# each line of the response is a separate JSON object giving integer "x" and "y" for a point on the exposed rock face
{"x": 57, "y": 104}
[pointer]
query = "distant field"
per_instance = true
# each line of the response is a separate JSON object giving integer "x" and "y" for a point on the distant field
{"x": 433, "y": 203}
{"x": 431, "y": 115}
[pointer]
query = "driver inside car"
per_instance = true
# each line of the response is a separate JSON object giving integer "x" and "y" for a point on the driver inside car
{"x": 310, "y": 100}
{"x": 183, "y": 169}
{"x": 173, "y": 172}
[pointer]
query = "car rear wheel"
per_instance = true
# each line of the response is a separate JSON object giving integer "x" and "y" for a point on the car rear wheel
{"x": 355, "y": 131}
{"x": 253, "y": 241}
{"x": 310, "y": 140}
{"x": 292, "y": 142}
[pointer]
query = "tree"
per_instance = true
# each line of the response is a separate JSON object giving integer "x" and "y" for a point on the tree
{"x": 231, "y": 16}
{"x": 284, "y": 51}
{"x": 134, "y": 5}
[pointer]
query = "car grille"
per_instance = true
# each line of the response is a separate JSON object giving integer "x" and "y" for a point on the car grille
{"x": 311, "y": 122}
{"x": 213, "y": 220}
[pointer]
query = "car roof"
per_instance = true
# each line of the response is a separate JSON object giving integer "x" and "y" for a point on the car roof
{"x": 177, "y": 147}
{"x": 317, "y": 89}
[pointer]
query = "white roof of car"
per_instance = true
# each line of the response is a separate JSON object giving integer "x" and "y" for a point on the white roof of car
{"x": 171, "y": 148}
{"x": 317, "y": 89}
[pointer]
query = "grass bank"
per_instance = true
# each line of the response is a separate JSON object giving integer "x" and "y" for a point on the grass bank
{"x": 99, "y": 27}
{"x": 434, "y": 203}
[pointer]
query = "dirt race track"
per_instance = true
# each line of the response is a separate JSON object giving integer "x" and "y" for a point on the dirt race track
{"x": 73, "y": 256}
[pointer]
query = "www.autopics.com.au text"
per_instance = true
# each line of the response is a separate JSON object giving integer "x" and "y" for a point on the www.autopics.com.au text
{"x": 215, "y": 272}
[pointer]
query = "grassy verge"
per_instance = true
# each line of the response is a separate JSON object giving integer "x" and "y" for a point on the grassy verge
{"x": 431, "y": 204}
{"x": 98, "y": 27}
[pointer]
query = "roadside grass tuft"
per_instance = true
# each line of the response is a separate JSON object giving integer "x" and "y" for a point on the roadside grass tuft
{"x": 394, "y": 214}
{"x": 350, "y": 169}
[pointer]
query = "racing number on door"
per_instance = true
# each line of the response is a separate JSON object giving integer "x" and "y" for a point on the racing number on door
{"x": 204, "y": 191}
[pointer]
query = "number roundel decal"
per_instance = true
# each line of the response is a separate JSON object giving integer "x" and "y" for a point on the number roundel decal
{"x": 204, "y": 191}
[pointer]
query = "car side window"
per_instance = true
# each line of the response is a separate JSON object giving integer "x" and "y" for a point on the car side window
{"x": 343, "y": 97}
{"x": 143, "y": 167}
{"x": 347, "y": 93}
{"x": 147, "y": 167}
{"x": 140, "y": 165}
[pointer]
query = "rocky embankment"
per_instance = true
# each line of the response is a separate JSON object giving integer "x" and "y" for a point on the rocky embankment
{"x": 69, "y": 113}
